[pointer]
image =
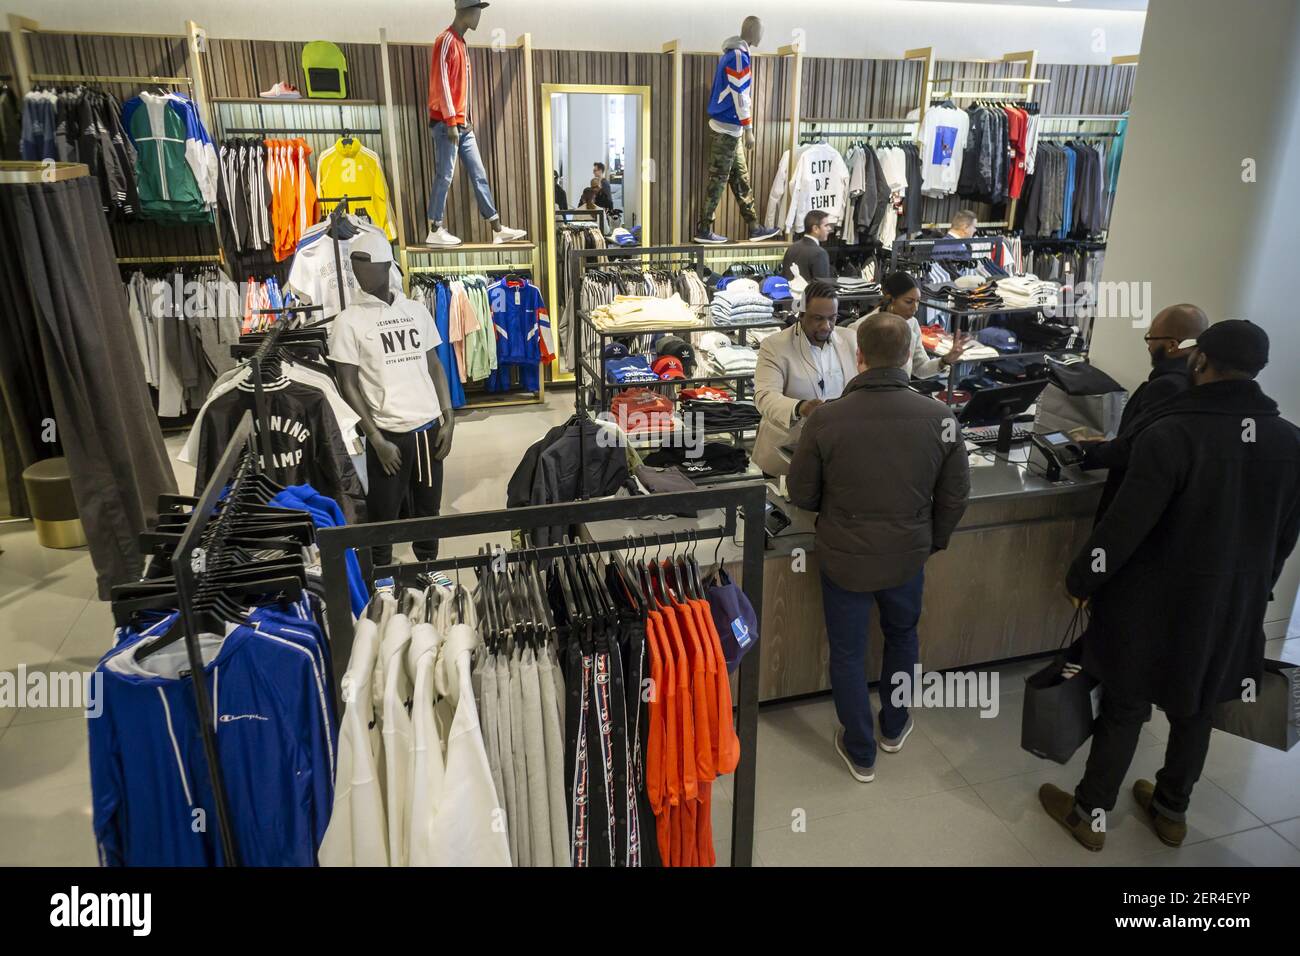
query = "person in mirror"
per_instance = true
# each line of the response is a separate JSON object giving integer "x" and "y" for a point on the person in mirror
{"x": 588, "y": 200}
{"x": 602, "y": 197}
{"x": 1178, "y": 575}
{"x": 903, "y": 298}
{"x": 453, "y": 136}
{"x": 1169, "y": 342}
{"x": 808, "y": 252}
{"x": 885, "y": 468}
{"x": 601, "y": 181}
{"x": 798, "y": 369}
{"x": 384, "y": 348}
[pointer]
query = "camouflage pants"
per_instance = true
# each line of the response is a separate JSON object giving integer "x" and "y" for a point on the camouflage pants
{"x": 727, "y": 164}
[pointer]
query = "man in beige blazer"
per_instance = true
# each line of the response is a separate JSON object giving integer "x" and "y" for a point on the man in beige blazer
{"x": 799, "y": 369}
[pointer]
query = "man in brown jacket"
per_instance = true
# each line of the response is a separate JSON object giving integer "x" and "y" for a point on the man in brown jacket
{"x": 886, "y": 469}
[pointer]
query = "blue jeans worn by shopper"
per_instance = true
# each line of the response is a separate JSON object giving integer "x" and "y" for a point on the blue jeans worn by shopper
{"x": 444, "y": 169}
{"x": 848, "y": 623}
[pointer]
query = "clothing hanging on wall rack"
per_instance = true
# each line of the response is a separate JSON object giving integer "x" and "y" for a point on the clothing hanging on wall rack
{"x": 11, "y": 123}
{"x": 77, "y": 125}
{"x": 1067, "y": 195}
{"x": 569, "y": 236}
{"x": 176, "y": 164}
{"x": 349, "y": 167}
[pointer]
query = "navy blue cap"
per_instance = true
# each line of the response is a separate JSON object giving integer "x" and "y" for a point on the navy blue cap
{"x": 734, "y": 618}
{"x": 776, "y": 287}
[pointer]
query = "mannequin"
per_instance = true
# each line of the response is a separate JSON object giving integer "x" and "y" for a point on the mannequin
{"x": 453, "y": 137}
{"x": 384, "y": 347}
{"x": 731, "y": 120}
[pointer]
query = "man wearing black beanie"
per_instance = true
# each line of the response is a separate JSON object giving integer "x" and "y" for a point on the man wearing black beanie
{"x": 1178, "y": 574}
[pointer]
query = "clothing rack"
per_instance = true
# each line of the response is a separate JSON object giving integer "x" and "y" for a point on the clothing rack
{"x": 342, "y": 203}
{"x": 745, "y": 504}
{"x": 467, "y": 268}
{"x": 264, "y": 349}
{"x": 147, "y": 260}
{"x": 285, "y": 131}
{"x": 237, "y": 462}
{"x": 98, "y": 78}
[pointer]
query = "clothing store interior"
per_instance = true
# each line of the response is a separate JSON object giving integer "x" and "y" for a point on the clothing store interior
{"x": 670, "y": 435}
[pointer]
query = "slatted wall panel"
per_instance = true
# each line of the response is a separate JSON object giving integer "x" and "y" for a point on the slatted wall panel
{"x": 115, "y": 55}
{"x": 498, "y": 113}
{"x": 854, "y": 89}
{"x": 771, "y": 98}
{"x": 244, "y": 68}
{"x": 6, "y": 57}
{"x": 617, "y": 69}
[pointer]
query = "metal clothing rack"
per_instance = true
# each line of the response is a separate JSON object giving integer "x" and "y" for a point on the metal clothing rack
{"x": 745, "y": 505}
{"x": 100, "y": 78}
{"x": 189, "y": 565}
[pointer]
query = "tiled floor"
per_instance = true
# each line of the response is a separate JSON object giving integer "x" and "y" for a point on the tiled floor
{"x": 961, "y": 792}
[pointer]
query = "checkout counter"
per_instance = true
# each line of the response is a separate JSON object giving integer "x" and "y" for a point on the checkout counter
{"x": 997, "y": 591}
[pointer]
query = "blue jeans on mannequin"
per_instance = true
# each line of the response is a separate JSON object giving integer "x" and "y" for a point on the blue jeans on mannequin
{"x": 444, "y": 170}
{"x": 848, "y": 623}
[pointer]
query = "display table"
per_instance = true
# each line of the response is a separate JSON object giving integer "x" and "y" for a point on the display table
{"x": 996, "y": 593}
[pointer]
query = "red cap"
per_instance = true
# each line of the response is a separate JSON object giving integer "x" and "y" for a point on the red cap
{"x": 668, "y": 366}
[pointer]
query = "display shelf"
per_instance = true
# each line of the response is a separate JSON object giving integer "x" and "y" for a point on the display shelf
{"x": 520, "y": 246}
{"x": 953, "y": 310}
{"x": 300, "y": 101}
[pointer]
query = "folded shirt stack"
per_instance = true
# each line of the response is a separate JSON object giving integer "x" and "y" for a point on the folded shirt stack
{"x": 938, "y": 341}
{"x": 1028, "y": 292}
{"x": 632, "y": 370}
{"x": 733, "y": 360}
{"x": 715, "y": 458}
{"x": 719, "y": 416}
{"x": 983, "y": 296}
{"x": 853, "y": 285}
{"x": 640, "y": 411}
{"x": 631, "y": 313}
{"x": 740, "y": 306}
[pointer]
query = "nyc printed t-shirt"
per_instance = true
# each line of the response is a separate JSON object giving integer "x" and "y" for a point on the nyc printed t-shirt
{"x": 388, "y": 343}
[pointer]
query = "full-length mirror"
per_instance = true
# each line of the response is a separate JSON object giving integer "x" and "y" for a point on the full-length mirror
{"x": 597, "y": 145}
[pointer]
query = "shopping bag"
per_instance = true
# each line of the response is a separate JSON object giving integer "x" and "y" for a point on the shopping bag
{"x": 1272, "y": 718}
{"x": 1059, "y": 711}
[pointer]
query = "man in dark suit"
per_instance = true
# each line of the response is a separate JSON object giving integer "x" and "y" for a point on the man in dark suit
{"x": 1178, "y": 574}
{"x": 1170, "y": 340}
{"x": 808, "y": 252}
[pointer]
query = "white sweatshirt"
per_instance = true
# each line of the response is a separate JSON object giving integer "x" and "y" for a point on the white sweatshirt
{"x": 357, "y": 832}
{"x": 943, "y": 139}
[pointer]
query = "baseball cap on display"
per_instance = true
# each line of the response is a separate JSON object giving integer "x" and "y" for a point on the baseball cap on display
{"x": 678, "y": 348}
{"x": 615, "y": 350}
{"x": 1004, "y": 340}
{"x": 777, "y": 287}
{"x": 372, "y": 244}
{"x": 668, "y": 366}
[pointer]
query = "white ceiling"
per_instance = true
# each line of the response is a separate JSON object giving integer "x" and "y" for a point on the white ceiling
{"x": 1059, "y": 4}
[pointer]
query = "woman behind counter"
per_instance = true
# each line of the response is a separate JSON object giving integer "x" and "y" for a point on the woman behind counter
{"x": 902, "y": 297}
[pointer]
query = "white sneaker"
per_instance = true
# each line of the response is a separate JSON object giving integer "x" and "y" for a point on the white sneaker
{"x": 508, "y": 235}
{"x": 281, "y": 91}
{"x": 441, "y": 237}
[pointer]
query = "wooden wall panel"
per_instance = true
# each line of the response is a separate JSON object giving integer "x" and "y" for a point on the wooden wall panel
{"x": 771, "y": 99}
{"x": 119, "y": 55}
{"x": 244, "y": 68}
{"x": 853, "y": 89}
{"x": 498, "y": 114}
{"x": 616, "y": 69}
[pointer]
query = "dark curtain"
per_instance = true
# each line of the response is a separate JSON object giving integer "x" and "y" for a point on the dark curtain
{"x": 62, "y": 282}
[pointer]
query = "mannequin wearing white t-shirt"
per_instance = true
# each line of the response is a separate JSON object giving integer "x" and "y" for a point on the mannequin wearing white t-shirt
{"x": 401, "y": 398}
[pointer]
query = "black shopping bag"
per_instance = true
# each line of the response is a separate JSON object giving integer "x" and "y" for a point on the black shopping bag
{"x": 1059, "y": 711}
{"x": 1272, "y": 718}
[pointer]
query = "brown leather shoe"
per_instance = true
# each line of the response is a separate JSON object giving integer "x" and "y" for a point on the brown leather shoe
{"x": 1170, "y": 832}
{"x": 1060, "y": 807}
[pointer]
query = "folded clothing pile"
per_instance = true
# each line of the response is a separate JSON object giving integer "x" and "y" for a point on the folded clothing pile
{"x": 1038, "y": 334}
{"x": 631, "y": 313}
{"x": 719, "y": 416}
{"x": 714, "y": 459}
{"x": 856, "y": 285}
{"x": 736, "y": 305}
{"x": 724, "y": 357}
{"x": 641, "y": 411}
{"x": 1028, "y": 292}
{"x": 983, "y": 296}
{"x": 706, "y": 393}
{"x": 629, "y": 370}
{"x": 938, "y": 341}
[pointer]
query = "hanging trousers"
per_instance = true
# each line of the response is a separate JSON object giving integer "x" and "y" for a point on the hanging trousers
{"x": 414, "y": 492}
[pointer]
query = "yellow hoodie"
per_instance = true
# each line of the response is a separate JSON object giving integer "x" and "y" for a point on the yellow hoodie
{"x": 350, "y": 169}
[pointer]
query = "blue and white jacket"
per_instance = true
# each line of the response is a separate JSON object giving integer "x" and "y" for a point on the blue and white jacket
{"x": 730, "y": 103}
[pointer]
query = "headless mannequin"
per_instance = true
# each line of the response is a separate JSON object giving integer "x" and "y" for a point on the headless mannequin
{"x": 373, "y": 277}
{"x": 465, "y": 21}
{"x": 751, "y": 31}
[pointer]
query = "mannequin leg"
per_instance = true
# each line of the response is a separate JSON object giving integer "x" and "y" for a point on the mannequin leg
{"x": 478, "y": 176}
{"x": 387, "y": 492}
{"x": 741, "y": 187}
{"x": 722, "y": 158}
{"x": 425, "y": 488}
{"x": 444, "y": 171}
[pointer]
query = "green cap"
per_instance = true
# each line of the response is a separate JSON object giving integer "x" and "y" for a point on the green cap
{"x": 326, "y": 70}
